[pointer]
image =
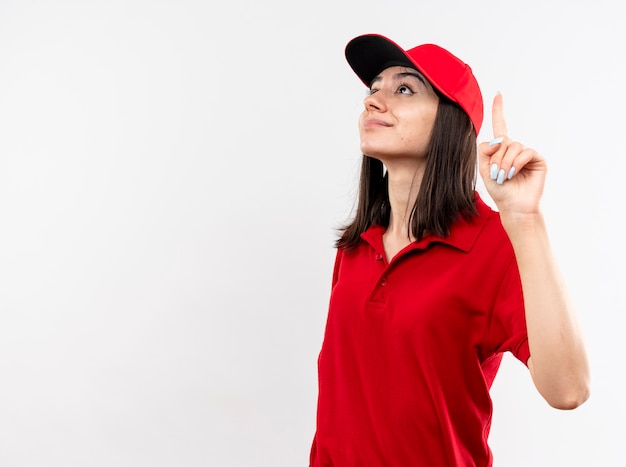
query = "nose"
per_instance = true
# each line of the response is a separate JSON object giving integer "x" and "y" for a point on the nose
{"x": 374, "y": 101}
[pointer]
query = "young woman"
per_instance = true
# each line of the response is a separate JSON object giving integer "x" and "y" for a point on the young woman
{"x": 430, "y": 285}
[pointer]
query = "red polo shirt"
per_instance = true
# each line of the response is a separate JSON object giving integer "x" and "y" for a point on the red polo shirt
{"x": 412, "y": 345}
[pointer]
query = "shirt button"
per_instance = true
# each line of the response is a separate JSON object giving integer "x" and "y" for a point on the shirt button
{"x": 383, "y": 282}
{"x": 379, "y": 257}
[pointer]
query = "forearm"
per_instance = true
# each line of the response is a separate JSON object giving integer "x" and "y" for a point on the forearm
{"x": 558, "y": 363}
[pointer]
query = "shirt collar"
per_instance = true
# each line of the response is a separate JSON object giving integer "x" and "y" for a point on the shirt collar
{"x": 463, "y": 232}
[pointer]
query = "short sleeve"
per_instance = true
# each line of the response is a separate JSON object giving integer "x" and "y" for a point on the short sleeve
{"x": 337, "y": 266}
{"x": 507, "y": 326}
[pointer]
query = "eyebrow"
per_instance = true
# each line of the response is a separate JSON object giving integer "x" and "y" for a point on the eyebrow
{"x": 403, "y": 74}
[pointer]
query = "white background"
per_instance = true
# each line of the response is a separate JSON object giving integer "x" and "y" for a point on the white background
{"x": 171, "y": 175}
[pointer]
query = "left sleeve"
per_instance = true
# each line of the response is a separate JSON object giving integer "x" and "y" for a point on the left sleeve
{"x": 507, "y": 327}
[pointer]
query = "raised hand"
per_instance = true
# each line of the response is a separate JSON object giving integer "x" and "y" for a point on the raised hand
{"x": 514, "y": 175}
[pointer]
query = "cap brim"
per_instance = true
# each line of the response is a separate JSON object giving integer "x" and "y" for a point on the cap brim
{"x": 369, "y": 54}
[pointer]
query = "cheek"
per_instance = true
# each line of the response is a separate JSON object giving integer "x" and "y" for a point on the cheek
{"x": 419, "y": 125}
{"x": 425, "y": 122}
{"x": 417, "y": 134}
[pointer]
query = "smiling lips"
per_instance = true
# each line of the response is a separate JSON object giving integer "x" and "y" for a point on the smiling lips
{"x": 371, "y": 123}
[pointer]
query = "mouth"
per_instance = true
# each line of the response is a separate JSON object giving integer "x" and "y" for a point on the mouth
{"x": 371, "y": 123}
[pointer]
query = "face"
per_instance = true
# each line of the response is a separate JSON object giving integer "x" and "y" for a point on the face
{"x": 399, "y": 115}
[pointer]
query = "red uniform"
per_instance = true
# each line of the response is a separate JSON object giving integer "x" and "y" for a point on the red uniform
{"x": 411, "y": 348}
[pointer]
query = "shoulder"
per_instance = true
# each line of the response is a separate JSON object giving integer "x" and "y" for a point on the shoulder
{"x": 482, "y": 227}
{"x": 493, "y": 243}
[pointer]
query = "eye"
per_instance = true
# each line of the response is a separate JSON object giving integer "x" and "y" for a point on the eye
{"x": 371, "y": 91}
{"x": 404, "y": 89}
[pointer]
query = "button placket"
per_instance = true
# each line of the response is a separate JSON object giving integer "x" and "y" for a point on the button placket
{"x": 379, "y": 294}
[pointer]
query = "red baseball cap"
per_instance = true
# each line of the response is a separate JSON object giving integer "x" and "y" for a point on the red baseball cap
{"x": 370, "y": 54}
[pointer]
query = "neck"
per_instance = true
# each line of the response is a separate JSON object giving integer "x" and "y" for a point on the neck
{"x": 404, "y": 183}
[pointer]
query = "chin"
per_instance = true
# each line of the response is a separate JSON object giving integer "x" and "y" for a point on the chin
{"x": 374, "y": 151}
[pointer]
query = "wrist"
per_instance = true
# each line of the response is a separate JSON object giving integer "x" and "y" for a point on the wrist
{"x": 522, "y": 223}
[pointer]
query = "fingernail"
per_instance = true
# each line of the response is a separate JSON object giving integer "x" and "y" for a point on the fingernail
{"x": 495, "y": 141}
{"x": 494, "y": 171}
{"x": 511, "y": 173}
{"x": 500, "y": 179}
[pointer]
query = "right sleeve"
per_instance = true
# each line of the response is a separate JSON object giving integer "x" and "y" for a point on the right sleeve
{"x": 338, "y": 258}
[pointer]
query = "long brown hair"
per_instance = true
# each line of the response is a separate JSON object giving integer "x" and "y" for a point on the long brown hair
{"x": 447, "y": 190}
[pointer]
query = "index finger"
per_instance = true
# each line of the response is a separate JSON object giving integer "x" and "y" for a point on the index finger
{"x": 497, "y": 117}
